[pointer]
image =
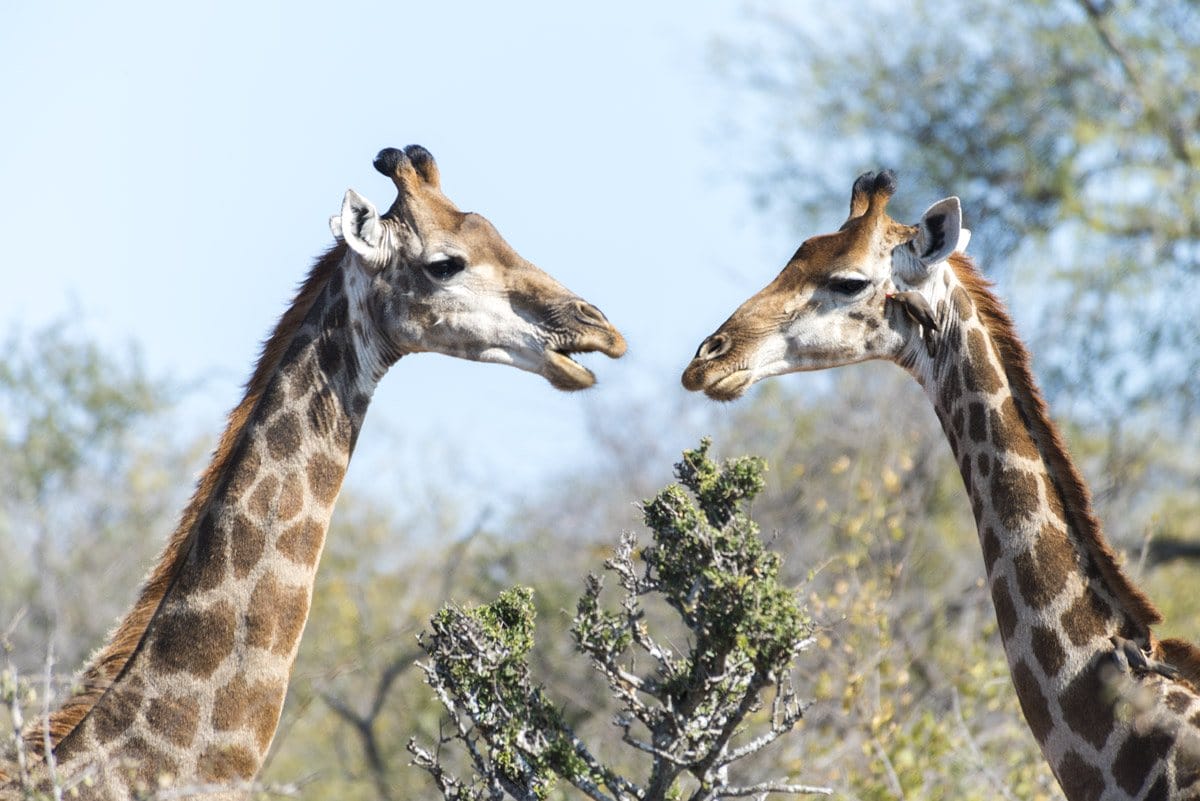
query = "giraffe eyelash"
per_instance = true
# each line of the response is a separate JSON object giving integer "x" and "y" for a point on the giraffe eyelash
{"x": 847, "y": 285}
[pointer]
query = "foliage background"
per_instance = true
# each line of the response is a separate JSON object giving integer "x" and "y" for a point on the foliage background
{"x": 1069, "y": 129}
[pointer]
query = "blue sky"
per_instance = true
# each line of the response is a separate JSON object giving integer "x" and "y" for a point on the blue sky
{"x": 170, "y": 169}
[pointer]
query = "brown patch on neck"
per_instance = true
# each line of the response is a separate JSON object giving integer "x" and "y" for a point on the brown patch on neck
{"x": 107, "y": 664}
{"x": 1065, "y": 478}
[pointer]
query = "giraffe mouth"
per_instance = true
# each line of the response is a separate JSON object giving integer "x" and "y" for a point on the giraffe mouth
{"x": 564, "y": 373}
{"x": 730, "y": 386}
{"x": 720, "y": 382}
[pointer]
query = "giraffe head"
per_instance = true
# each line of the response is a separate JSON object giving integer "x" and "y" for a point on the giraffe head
{"x": 442, "y": 280}
{"x": 830, "y": 305}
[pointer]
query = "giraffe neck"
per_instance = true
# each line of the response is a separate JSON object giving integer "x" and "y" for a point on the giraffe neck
{"x": 1059, "y": 593}
{"x": 198, "y": 696}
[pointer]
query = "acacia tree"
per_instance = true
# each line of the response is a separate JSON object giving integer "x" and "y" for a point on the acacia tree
{"x": 684, "y": 708}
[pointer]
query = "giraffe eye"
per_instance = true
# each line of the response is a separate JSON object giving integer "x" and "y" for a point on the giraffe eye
{"x": 847, "y": 286}
{"x": 448, "y": 267}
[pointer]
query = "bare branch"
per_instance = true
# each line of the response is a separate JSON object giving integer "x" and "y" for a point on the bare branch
{"x": 1172, "y": 128}
{"x": 893, "y": 779}
{"x": 997, "y": 784}
{"x": 766, "y": 788}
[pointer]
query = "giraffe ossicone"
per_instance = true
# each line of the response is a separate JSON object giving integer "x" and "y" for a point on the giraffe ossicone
{"x": 1114, "y": 709}
{"x": 187, "y": 691}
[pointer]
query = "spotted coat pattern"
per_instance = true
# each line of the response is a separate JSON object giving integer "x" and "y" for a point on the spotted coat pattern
{"x": 198, "y": 703}
{"x": 1114, "y": 709}
{"x": 1107, "y": 731}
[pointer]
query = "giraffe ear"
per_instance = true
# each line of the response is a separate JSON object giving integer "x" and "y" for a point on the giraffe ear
{"x": 360, "y": 226}
{"x": 964, "y": 237}
{"x": 938, "y": 232}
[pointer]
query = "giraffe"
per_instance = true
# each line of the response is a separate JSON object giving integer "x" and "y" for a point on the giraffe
{"x": 1114, "y": 709}
{"x": 188, "y": 689}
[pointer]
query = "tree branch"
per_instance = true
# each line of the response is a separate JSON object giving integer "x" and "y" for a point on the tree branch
{"x": 766, "y": 788}
{"x": 1173, "y": 128}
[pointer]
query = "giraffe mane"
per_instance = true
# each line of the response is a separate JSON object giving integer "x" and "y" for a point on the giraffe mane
{"x": 1065, "y": 476}
{"x": 107, "y": 664}
{"x": 1183, "y": 655}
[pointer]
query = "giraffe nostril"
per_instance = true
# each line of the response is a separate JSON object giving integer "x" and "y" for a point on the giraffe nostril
{"x": 714, "y": 346}
{"x": 588, "y": 313}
